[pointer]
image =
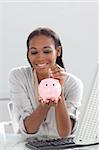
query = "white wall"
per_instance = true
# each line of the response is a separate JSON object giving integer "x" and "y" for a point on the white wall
{"x": 98, "y": 32}
{"x": 75, "y": 22}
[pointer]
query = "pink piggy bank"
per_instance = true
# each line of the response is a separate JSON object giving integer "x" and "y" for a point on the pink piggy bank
{"x": 49, "y": 88}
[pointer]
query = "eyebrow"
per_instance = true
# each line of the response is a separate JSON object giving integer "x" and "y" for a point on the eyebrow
{"x": 43, "y": 47}
{"x": 46, "y": 47}
{"x": 32, "y": 48}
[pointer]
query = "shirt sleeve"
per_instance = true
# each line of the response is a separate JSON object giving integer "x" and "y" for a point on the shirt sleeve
{"x": 73, "y": 96}
{"x": 18, "y": 95}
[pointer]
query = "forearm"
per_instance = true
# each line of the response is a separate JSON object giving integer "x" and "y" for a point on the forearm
{"x": 63, "y": 121}
{"x": 33, "y": 122}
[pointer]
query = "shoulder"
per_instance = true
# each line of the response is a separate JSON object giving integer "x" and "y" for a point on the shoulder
{"x": 19, "y": 72}
{"x": 73, "y": 88}
{"x": 73, "y": 78}
{"x": 73, "y": 81}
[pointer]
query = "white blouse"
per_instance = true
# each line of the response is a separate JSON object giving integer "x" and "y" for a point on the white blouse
{"x": 24, "y": 95}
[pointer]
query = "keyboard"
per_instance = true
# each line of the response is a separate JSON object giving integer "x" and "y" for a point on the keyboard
{"x": 46, "y": 143}
{"x": 49, "y": 144}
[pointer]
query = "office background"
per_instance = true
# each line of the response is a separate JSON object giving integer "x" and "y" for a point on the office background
{"x": 75, "y": 22}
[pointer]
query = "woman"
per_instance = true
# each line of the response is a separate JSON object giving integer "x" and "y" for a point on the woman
{"x": 34, "y": 116}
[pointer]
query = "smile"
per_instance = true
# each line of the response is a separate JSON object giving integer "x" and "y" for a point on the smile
{"x": 41, "y": 65}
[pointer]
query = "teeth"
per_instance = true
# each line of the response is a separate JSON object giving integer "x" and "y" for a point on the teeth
{"x": 41, "y": 64}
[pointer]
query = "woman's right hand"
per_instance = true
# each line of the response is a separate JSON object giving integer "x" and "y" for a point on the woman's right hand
{"x": 44, "y": 103}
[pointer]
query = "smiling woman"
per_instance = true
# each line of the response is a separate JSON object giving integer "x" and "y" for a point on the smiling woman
{"x": 44, "y": 50}
{"x": 45, "y": 117}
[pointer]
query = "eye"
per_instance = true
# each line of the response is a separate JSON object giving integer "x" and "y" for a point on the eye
{"x": 33, "y": 53}
{"x": 46, "y": 84}
{"x": 46, "y": 51}
{"x": 53, "y": 84}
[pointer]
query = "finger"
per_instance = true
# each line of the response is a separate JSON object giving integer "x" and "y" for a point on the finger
{"x": 58, "y": 71}
{"x": 47, "y": 101}
{"x": 59, "y": 75}
{"x": 40, "y": 99}
{"x": 50, "y": 73}
{"x": 56, "y": 67}
{"x": 59, "y": 99}
{"x": 51, "y": 99}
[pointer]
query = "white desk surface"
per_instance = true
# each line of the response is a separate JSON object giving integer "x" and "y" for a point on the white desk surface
{"x": 17, "y": 142}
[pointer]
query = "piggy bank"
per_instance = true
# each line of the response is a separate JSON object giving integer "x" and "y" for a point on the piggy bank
{"x": 49, "y": 88}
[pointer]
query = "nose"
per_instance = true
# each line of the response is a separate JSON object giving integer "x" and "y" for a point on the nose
{"x": 41, "y": 56}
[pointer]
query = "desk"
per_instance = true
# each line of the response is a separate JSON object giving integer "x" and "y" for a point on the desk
{"x": 17, "y": 142}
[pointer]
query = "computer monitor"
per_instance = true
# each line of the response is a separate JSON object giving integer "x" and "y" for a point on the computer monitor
{"x": 88, "y": 127}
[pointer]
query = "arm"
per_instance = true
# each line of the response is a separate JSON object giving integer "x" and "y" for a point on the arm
{"x": 63, "y": 121}
{"x": 28, "y": 119}
{"x": 33, "y": 122}
{"x": 66, "y": 110}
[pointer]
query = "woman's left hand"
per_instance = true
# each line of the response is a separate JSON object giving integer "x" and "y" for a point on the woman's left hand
{"x": 59, "y": 73}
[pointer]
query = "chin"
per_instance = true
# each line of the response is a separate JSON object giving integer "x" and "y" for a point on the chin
{"x": 42, "y": 70}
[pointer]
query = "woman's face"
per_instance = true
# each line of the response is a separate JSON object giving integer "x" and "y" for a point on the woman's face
{"x": 42, "y": 53}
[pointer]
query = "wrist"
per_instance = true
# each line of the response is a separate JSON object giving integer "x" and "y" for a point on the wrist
{"x": 44, "y": 106}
